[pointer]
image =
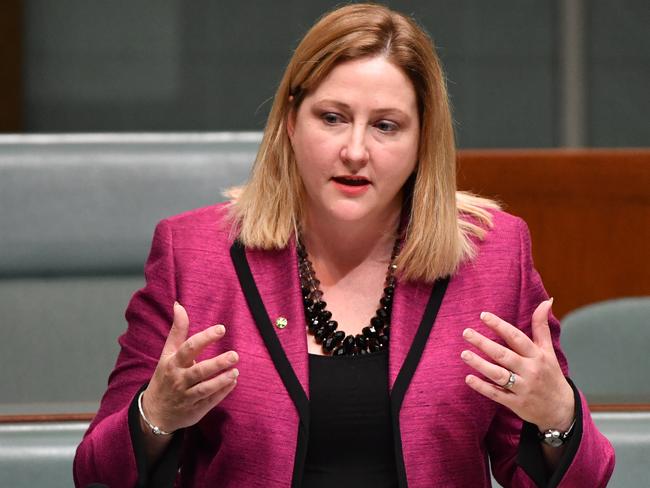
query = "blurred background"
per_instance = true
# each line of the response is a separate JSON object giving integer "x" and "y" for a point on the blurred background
{"x": 115, "y": 114}
{"x": 525, "y": 73}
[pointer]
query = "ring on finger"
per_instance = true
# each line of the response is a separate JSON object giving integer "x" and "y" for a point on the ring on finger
{"x": 511, "y": 381}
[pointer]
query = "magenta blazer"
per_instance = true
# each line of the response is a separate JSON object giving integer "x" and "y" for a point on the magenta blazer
{"x": 257, "y": 437}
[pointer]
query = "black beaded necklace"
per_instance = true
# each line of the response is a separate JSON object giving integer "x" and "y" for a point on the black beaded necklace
{"x": 373, "y": 338}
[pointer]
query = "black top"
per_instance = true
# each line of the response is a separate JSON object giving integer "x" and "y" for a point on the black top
{"x": 350, "y": 429}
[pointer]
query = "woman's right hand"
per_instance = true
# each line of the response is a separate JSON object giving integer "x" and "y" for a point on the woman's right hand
{"x": 181, "y": 390}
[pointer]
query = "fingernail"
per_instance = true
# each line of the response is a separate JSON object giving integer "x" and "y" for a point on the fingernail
{"x": 550, "y": 301}
{"x": 176, "y": 304}
{"x": 232, "y": 357}
{"x": 465, "y": 355}
{"x": 219, "y": 329}
{"x": 234, "y": 373}
{"x": 467, "y": 333}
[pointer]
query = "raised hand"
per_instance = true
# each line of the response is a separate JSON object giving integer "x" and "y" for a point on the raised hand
{"x": 181, "y": 390}
{"x": 537, "y": 390}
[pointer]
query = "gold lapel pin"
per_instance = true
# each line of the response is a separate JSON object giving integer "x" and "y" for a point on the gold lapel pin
{"x": 281, "y": 322}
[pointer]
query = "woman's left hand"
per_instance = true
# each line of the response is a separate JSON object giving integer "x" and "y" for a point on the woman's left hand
{"x": 540, "y": 393}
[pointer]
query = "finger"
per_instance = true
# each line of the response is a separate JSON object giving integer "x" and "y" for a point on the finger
{"x": 541, "y": 330}
{"x": 515, "y": 338}
{"x": 178, "y": 331}
{"x": 209, "y": 387}
{"x": 497, "y": 374}
{"x": 210, "y": 367}
{"x": 193, "y": 346}
{"x": 490, "y": 390}
{"x": 216, "y": 398}
{"x": 501, "y": 354}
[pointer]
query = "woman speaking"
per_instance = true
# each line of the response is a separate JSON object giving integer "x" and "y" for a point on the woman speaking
{"x": 348, "y": 318}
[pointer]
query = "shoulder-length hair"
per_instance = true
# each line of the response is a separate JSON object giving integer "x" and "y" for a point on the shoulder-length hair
{"x": 268, "y": 209}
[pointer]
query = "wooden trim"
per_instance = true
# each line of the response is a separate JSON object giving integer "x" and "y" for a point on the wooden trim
{"x": 11, "y": 89}
{"x": 587, "y": 210}
{"x": 87, "y": 417}
{"x": 566, "y": 153}
{"x": 620, "y": 407}
{"x": 47, "y": 417}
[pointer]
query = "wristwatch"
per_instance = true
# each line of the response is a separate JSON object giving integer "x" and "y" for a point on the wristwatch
{"x": 555, "y": 438}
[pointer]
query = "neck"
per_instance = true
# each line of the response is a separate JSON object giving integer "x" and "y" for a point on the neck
{"x": 342, "y": 246}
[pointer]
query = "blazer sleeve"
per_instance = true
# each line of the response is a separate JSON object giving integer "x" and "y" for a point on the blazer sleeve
{"x": 515, "y": 453}
{"x": 106, "y": 453}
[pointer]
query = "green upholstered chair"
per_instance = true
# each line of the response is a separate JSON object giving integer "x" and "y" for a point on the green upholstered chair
{"x": 77, "y": 213}
{"x": 608, "y": 347}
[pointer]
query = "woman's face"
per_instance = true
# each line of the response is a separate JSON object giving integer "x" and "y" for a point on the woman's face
{"x": 355, "y": 139}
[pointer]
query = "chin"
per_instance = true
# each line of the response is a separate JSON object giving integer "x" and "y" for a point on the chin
{"x": 350, "y": 212}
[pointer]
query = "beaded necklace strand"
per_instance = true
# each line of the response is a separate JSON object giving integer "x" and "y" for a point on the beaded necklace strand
{"x": 373, "y": 338}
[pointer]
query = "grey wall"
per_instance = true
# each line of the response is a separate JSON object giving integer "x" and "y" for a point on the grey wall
{"x": 618, "y": 71}
{"x": 211, "y": 65}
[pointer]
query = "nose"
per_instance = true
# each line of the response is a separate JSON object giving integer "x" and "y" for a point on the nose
{"x": 354, "y": 152}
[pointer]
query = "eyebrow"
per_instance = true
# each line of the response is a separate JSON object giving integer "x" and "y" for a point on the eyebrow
{"x": 346, "y": 106}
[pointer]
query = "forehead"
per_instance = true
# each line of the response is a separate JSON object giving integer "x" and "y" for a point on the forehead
{"x": 373, "y": 80}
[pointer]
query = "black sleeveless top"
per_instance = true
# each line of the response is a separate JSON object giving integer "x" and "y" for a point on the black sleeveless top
{"x": 350, "y": 431}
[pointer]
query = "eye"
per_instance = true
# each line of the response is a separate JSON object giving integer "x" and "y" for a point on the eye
{"x": 331, "y": 118}
{"x": 386, "y": 126}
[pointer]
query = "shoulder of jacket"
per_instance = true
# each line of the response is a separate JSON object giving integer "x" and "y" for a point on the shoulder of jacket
{"x": 210, "y": 222}
{"x": 506, "y": 234}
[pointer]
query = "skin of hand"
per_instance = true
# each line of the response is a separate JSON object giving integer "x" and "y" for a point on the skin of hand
{"x": 541, "y": 394}
{"x": 181, "y": 390}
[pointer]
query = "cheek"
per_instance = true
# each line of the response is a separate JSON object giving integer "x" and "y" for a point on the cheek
{"x": 320, "y": 143}
{"x": 310, "y": 161}
{"x": 402, "y": 162}
{"x": 314, "y": 151}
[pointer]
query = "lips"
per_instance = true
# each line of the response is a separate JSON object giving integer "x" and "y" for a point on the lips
{"x": 352, "y": 180}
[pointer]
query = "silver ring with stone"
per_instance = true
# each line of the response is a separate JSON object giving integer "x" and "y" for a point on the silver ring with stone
{"x": 511, "y": 381}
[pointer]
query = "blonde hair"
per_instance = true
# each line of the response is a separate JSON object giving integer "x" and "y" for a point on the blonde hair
{"x": 441, "y": 221}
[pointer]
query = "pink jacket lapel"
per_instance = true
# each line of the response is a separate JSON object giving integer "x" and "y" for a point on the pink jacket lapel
{"x": 276, "y": 277}
{"x": 408, "y": 308}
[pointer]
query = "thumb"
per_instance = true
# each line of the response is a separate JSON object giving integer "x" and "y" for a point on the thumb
{"x": 178, "y": 331}
{"x": 540, "y": 328}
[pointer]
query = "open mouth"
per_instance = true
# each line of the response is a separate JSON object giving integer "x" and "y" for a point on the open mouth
{"x": 352, "y": 180}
